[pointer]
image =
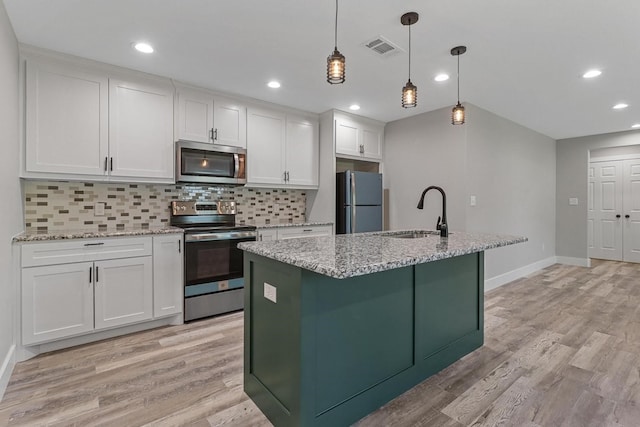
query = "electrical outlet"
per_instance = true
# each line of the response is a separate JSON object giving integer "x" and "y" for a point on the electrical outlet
{"x": 98, "y": 209}
{"x": 573, "y": 201}
{"x": 472, "y": 200}
{"x": 270, "y": 292}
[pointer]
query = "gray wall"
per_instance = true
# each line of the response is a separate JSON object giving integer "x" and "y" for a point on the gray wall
{"x": 11, "y": 223}
{"x": 572, "y": 160}
{"x": 509, "y": 168}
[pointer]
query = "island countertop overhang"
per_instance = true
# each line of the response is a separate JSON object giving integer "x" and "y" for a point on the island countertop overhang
{"x": 349, "y": 255}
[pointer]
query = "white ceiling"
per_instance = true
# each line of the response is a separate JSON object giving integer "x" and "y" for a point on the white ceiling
{"x": 524, "y": 61}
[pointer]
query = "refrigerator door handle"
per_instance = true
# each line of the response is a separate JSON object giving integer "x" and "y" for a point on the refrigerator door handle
{"x": 353, "y": 202}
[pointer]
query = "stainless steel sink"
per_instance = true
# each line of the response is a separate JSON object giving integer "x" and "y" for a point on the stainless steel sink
{"x": 417, "y": 234}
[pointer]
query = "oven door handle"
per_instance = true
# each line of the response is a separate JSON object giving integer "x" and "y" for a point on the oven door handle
{"x": 207, "y": 237}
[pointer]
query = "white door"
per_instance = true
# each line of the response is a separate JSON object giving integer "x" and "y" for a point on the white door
{"x": 141, "y": 130}
{"x": 302, "y": 151}
{"x": 265, "y": 146}
{"x": 195, "y": 115}
{"x": 347, "y": 138}
{"x": 606, "y": 214}
{"x": 631, "y": 211}
{"x": 372, "y": 142}
{"x": 123, "y": 291}
{"x": 66, "y": 116}
{"x": 57, "y": 301}
{"x": 229, "y": 122}
{"x": 168, "y": 279}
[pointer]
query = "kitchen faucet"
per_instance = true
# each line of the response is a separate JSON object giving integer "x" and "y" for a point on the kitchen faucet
{"x": 444, "y": 231}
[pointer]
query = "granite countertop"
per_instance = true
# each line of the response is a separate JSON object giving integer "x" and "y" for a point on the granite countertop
{"x": 36, "y": 236}
{"x": 299, "y": 224}
{"x": 347, "y": 255}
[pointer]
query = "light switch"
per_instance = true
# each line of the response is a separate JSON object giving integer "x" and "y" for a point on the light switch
{"x": 98, "y": 209}
{"x": 472, "y": 201}
{"x": 573, "y": 201}
{"x": 270, "y": 292}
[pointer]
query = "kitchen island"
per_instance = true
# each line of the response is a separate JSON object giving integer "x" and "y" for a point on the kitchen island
{"x": 337, "y": 326}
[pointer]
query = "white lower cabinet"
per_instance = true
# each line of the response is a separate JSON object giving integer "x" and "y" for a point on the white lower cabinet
{"x": 119, "y": 281}
{"x": 57, "y": 301}
{"x": 168, "y": 276}
{"x": 123, "y": 291}
{"x": 294, "y": 232}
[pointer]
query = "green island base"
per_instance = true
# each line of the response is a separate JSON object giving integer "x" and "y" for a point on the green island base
{"x": 330, "y": 351}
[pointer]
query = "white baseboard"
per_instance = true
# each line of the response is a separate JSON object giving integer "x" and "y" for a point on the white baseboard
{"x": 512, "y": 275}
{"x": 6, "y": 369}
{"x": 580, "y": 262}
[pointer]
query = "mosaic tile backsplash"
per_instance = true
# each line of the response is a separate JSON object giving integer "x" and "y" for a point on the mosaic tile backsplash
{"x": 59, "y": 206}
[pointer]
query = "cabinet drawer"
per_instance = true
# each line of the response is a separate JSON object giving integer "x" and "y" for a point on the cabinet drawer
{"x": 309, "y": 231}
{"x": 49, "y": 253}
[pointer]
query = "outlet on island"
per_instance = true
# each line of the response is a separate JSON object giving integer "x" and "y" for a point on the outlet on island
{"x": 98, "y": 209}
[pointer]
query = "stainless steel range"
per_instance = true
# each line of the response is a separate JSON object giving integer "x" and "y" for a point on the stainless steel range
{"x": 213, "y": 264}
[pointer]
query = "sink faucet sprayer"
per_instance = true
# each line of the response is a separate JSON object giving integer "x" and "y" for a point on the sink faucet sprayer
{"x": 444, "y": 230}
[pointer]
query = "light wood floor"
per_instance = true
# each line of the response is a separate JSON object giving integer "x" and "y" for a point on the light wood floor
{"x": 562, "y": 348}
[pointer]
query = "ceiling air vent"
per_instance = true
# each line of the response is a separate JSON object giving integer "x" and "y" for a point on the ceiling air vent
{"x": 382, "y": 47}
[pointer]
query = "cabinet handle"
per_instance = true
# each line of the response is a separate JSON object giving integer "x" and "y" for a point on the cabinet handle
{"x": 211, "y": 134}
{"x": 90, "y": 268}
{"x": 361, "y": 148}
{"x": 306, "y": 230}
{"x": 627, "y": 216}
{"x": 284, "y": 176}
{"x": 287, "y": 176}
{"x": 618, "y": 216}
{"x": 179, "y": 246}
{"x": 97, "y": 274}
{"x": 111, "y": 165}
{"x": 106, "y": 162}
{"x": 215, "y": 134}
{"x": 94, "y": 244}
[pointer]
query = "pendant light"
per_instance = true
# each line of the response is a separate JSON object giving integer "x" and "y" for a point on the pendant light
{"x": 409, "y": 91}
{"x": 335, "y": 62}
{"x": 457, "y": 114}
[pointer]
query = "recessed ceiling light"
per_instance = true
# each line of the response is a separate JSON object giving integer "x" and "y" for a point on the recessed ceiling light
{"x": 620, "y": 106}
{"x": 441, "y": 77}
{"x": 143, "y": 47}
{"x": 636, "y": 126}
{"x": 354, "y": 107}
{"x": 273, "y": 84}
{"x": 591, "y": 74}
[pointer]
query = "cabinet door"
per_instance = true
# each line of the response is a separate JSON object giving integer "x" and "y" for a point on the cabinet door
{"x": 267, "y": 235}
{"x": 66, "y": 116}
{"x": 123, "y": 291}
{"x": 195, "y": 115}
{"x": 265, "y": 146}
{"x": 57, "y": 302}
{"x": 372, "y": 143}
{"x": 230, "y": 123}
{"x": 347, "y": 137}
{"x": 302, "y": 152}
{"x": 168, "y": 277}
{"x": 141, "y": 130}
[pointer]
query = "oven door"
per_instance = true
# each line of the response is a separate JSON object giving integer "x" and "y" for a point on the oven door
{"x": 213, "y": 262}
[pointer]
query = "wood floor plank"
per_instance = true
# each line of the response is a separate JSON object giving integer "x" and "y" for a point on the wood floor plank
{"x": 562, "y": 348}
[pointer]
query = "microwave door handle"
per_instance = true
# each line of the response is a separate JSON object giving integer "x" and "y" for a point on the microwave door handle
{"x": 236, "y": 160}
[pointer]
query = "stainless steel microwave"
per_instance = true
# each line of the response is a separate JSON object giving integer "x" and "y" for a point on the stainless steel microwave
{"x": 200, "y": 162}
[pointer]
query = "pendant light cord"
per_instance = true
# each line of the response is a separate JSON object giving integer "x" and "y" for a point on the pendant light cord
{"x": 336, "y": 28}
{"x": 409, "y": 49}
{"x": 458, "y": 78}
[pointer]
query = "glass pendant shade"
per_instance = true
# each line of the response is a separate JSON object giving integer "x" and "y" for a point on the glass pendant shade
{"x": 457, "y": 115}
{"x": 335, "y": 68}
{"x": 409, "y": 95}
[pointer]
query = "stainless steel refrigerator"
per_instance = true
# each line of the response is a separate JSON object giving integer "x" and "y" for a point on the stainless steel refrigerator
{"x": 358, "y": 202}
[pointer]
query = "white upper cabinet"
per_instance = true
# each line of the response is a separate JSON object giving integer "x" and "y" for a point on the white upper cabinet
{"x": 266, "y": 132}
{"x": 282, "y": 149}
{"x": 140, "y": 130}
{"x": 204, "y": 117}
{"x": 358, "y": 137}
{"x": 81, "y": 123}
{"x": 301, "y": 153}
{"x": 66, "y": 118}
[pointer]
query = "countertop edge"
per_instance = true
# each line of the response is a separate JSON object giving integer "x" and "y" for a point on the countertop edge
{"x": 26, "y": 237}
{"x": 300, "y": 224}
